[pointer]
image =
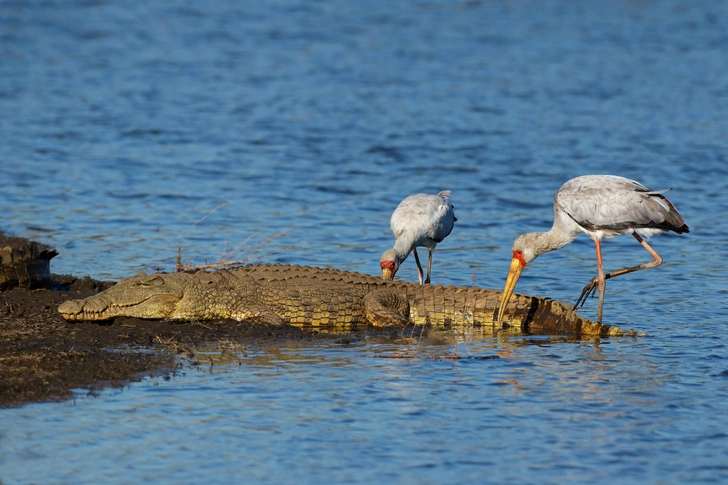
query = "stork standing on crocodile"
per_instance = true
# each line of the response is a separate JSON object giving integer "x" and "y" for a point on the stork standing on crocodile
{"x": 419, "y": 220}
{"x": 601, "y": 206}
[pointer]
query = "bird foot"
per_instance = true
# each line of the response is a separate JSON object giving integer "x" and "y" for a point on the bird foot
{"x": 589, "y": 290}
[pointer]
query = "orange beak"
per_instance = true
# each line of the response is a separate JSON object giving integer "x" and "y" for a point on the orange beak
{"x": 517, "y": 265}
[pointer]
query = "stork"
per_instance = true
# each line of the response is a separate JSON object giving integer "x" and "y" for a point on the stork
{"x": 419, "y": 220}
{"x": 601, "y": 206}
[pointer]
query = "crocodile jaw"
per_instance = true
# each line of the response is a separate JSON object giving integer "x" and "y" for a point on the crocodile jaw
{"x": 98, "y": 308}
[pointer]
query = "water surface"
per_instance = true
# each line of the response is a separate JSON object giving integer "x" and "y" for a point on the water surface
{"x": 296, "y": 128}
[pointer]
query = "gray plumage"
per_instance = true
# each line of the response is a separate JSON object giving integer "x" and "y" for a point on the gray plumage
{"x": 606, "y": 205}
{"x": 602, "y": 206}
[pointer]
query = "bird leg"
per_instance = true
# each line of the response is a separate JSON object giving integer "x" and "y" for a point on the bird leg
{"x": 656, "y": 260}
{"x": 593, "y": 285}
{"x": 599, "y": 282}
{"x": 419, "y": 268}
{"x": 429, "y": 268}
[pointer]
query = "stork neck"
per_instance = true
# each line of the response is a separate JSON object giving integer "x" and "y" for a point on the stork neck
{"x": 402, "y": 248}
{"x": 556, "y": 238}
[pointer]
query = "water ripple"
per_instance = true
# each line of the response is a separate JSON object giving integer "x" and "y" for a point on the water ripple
{"x": 296, "y": 128}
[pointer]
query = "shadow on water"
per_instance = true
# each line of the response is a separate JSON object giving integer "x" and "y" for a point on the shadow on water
{"x": 416, "y": 343}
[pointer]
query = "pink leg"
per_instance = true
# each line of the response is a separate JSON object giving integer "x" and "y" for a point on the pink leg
{"x": 419, "y": 268}
{"x": 429, "y": 268}
{"x": 656, "y": 260}
{"x": 601, "y": 282}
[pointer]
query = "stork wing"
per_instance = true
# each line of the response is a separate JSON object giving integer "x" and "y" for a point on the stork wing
{"x": 613, "y": 203}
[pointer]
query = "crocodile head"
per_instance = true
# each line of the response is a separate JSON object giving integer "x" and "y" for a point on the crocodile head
{"x": 141, "y": 296}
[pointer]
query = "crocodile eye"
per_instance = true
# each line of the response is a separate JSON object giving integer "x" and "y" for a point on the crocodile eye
{"x": 157, "y": 281}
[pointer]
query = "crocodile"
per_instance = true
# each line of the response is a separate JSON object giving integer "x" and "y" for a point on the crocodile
{"x": 311, "y": 297}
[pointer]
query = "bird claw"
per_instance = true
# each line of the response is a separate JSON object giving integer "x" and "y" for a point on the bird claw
{"x": 589, "y": 290}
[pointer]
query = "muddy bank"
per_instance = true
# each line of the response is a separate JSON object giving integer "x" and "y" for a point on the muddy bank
{"x": 43, "y": 357}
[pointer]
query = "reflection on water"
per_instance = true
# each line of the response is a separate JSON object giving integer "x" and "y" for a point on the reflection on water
{"x": 415, "y": 344}
{"x": 123, "y": 125}
{"x": 310, "y": 413}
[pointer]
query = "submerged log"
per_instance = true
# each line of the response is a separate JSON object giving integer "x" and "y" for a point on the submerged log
{"x": 24, "y": 263}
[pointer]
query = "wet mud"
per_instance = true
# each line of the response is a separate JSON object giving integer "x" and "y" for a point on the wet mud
{"x": 45, "y": 358}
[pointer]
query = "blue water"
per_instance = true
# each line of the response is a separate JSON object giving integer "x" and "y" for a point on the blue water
{"x": 296, "y": 128}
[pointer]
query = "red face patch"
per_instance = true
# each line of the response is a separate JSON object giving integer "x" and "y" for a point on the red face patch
{"x": 518, "y": 254}
{"x": 387, "y": 265}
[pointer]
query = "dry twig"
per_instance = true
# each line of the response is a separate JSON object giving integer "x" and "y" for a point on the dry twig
{"x": 242, "y": 253}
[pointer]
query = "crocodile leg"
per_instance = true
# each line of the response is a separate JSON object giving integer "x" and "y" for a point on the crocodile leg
{"x": 258, "y": 314}
{"x": 384, "y": 307}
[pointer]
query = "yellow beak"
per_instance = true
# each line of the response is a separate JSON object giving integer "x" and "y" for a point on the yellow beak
{"x": 387, "y": 274}
{"x": 513, "y": 274}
